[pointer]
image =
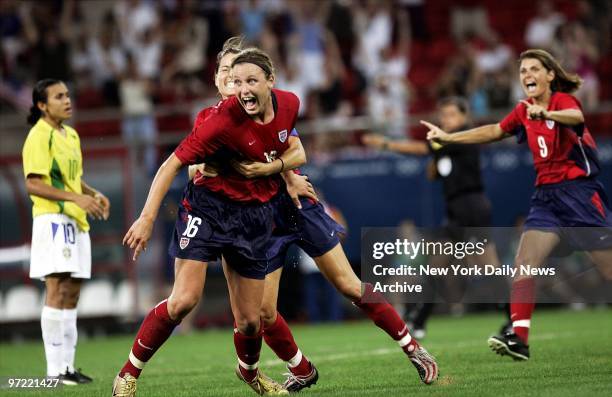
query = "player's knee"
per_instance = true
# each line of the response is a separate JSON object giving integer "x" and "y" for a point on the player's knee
{"x": 179, "y": 305}
{"x": 268, "y": 315}
{"x": 71, "y": 298}
{"x": 248, "y": 326}
{"x": 53, "y": 298}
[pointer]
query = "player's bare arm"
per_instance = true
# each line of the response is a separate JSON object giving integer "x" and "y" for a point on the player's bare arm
{"x": 485, "y": 134}
{"x": 406, "y": 146}
{"x": 140, "y": 232}
{"x": 36, "y": 187}
{"x": 292, "y": 158}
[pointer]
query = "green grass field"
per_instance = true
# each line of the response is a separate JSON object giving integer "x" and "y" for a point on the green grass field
{"x": 571, "y": 355}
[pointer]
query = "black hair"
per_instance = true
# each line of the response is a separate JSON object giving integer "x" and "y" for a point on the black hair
{"x": 457, "y": 101}
{"x": 39, "y": 94}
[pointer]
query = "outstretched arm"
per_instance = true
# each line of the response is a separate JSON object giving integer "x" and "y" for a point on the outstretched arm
{"x": 485, "y": 134}
{"x": 406, "y": 146}
{"x": 140, "y": 231}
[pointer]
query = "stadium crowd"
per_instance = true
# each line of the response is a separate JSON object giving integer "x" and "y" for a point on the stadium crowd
{"x": 342, "y": 58}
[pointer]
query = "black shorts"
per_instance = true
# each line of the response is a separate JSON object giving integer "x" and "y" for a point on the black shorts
{"x": 209, "y": 225}
{"x": 468, "y": 215}
{"x": 310, "y": 228}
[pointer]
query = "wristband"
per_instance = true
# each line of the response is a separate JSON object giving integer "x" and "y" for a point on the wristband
{"x": 282, "y": 165}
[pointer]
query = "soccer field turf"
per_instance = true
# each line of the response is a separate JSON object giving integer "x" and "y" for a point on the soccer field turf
{"x": 571, "y": 355}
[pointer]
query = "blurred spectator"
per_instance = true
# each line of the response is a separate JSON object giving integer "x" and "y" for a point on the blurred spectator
{"x": 135, "y": 17}
{"x": 459, "y": 75}
{"x": 252, "y": 17}
{"x": 375, "y": 26}
{"x": 10, "y": 32}
{"x": 581, "y": 56}
{"x": 540, "y": 31}
{"x": 138, "y": 125}
{"x": 107, "y": 59}
{"x": 339, "y": 22}
{"x": 389, "y": 91}
{"x": 149, "y": 53}
{"x": 187, "y": 45}
{"x": 49, "y": 38}
{"x": 308, "y": 43}
{"x": 494, "y": 56}
{"x": 468, "y": 20}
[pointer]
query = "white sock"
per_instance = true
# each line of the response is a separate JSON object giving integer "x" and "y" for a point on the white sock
{"x": 51, "y": 324}
{"x": 70, "y": 338}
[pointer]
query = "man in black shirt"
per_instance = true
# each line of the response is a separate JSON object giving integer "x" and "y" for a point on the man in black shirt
{"x": 458, "y": 166}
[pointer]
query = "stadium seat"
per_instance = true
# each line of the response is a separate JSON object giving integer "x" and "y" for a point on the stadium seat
{"x": 96, "y": 299}
{"x": 22, "y": 304}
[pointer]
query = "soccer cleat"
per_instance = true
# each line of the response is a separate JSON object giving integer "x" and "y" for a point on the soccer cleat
{"x": 263, "y": 385}
{"x": 506, "y": 328}
{"x": 76, "y": 377}
{"x": 295, "y": 383}
{"x": 509, "y": 345}
{"x": 124, "y": 386}
{"x": 425, "y": 364}
{"x": 66, "y": 380}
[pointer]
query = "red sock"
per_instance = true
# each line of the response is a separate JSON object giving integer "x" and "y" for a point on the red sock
{"x": 522, "y": 303}
{"x": 154, "y": 331}
{"x": 248, "y": 349}
{"x": 278, "y": 336}
{"x": 385, "y": 317}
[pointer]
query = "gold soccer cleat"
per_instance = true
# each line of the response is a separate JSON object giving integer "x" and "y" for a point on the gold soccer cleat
{"x": 124, "y": 386}
{"x": 263, "y": 385}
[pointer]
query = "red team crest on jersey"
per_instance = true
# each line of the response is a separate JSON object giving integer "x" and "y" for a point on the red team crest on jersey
{"x": 184, "y": 242}
{"x": 282, "y": 136}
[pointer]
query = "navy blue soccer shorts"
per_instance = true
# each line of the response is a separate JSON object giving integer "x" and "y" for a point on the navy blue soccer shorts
{"x": 210, "y": 225}
{"x": 310, "y": 228}
{"x": 578, "y": 211}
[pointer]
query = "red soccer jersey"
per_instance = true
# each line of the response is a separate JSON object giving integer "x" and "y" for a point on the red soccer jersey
{"x": 560, "y": 152}
{"x": 226, "y": 132}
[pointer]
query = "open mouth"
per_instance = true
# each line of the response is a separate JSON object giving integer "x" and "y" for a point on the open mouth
{"x": 531, "y": 87}
{"x": 250, "y": 103}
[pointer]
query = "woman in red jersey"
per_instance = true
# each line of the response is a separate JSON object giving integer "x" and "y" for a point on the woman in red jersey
{"x": 569, "y": 205}
{"x": 227, "y": 215}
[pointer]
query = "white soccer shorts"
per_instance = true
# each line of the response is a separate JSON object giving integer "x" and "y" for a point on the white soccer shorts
{"x": 59, "y": 247}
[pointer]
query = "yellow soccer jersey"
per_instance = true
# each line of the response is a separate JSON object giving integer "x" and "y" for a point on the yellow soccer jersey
{"x": 58, "y": 159}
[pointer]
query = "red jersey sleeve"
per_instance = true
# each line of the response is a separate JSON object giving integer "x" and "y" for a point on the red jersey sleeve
{"x": 207, "y": 136}
{"x": 567, "y": 101}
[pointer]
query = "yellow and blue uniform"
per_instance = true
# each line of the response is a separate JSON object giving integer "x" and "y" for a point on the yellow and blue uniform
{"x": 58, "y": 159}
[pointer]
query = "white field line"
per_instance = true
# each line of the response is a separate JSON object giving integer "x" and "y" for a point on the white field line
{"x": 384, "y": 351}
